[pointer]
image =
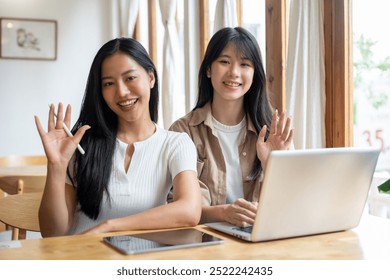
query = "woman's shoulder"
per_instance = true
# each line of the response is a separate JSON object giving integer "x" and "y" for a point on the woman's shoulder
{"x": 192, "y": 120}
{"x": 174, "y": 141}
{"x": 182, "y": 124}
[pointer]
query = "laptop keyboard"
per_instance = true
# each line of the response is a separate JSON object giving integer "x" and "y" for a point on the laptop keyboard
{"x": 247, "y": 229}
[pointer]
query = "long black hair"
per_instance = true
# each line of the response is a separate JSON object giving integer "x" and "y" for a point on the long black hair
{"x": 256, "y": 103}
{"x": 93, "y": 169}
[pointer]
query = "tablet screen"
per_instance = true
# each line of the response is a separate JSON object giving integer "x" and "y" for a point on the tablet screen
{"x": 161, "y": 240}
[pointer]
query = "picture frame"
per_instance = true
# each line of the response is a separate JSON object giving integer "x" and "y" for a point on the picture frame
{"x": 23, "y": 38}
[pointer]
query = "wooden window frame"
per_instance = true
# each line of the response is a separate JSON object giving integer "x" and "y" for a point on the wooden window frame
{"x": 276, "y": 54}
{"x": 152, "y": 30}
{"x": 338, "y": 69}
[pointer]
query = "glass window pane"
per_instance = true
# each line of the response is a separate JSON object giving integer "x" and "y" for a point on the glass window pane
{"x": 253, "y": 19}
{"x": 371, "y": 59}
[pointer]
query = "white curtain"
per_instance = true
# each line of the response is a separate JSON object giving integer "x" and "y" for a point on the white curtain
{"x": 225, "y": 14}
{"x": 172, "y": 91}
{"x": 305, "y": 73}
{"x": 191, "y": 56}
{"x": 124, "y": 17}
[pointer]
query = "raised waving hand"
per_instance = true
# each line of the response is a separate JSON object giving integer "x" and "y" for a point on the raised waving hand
{"x": 58, "y": 146}
{"x": 280, "y": 137}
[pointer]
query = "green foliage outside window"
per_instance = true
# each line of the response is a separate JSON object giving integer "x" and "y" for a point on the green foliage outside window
{"x": 365, "y": 66}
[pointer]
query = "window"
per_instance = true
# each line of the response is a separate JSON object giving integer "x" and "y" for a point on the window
{"x": 253, "y": 19}
{"x": 371, "y": 61}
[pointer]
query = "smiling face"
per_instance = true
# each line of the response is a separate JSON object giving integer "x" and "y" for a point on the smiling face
{"x": 126, "y": 88}
{"x": 231, "y": 75}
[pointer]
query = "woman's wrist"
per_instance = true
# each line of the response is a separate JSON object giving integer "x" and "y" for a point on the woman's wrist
{"x": 107, "y": 226}
{"x": 223, "y": 212}
{"x": 56, "y": 168}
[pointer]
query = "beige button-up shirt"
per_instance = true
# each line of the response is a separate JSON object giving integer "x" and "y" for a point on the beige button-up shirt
{"x": 211, "y": 165}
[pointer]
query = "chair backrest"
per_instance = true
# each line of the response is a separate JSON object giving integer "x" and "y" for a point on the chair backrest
{"x": 16, "y": 184}
{"x": 16, "y": 160}
{"x": 20, "y": 211}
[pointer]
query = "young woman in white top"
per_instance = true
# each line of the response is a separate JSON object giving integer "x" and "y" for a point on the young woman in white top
{"x": 130, "y": 164}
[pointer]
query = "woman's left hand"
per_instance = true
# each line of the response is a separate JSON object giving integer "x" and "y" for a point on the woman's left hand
{"x": 280, "y": 137}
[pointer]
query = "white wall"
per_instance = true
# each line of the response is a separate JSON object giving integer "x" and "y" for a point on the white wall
{"x": 27, "y": 87}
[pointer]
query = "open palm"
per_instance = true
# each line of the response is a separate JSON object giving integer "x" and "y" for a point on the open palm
{"x": 280, "y": 137}
{"x": 58, "y": 146}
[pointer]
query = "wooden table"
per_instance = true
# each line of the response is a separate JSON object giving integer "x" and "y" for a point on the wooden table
{"x": 370, "y": 240}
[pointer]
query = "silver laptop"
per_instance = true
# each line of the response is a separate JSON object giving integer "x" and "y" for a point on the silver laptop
{"x": 307, "y": 192}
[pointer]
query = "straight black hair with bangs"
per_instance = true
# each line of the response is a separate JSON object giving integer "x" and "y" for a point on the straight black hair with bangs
{"x": 93, "y": 169}
{"x": 256, "y": 103}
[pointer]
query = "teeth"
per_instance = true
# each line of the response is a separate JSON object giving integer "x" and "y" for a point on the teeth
{"x": 232, "y": 84}
{"x": 128, "y": 102}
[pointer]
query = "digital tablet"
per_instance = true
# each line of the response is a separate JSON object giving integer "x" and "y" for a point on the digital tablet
{"x": 161, "y": 241}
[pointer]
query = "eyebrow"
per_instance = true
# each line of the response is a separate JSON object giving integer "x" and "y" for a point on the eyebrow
{"x": 228, "y": 56}
{"x": 224, "y": 55}
{"x": 124, "y": 73}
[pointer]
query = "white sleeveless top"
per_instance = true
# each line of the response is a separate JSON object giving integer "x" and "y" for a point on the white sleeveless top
{"x": 155, "y": 163}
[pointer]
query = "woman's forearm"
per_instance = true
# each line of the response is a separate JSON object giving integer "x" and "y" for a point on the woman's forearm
{"x": 171, "y": 215}
{"x": 213, "y": 213}
{"x": 55, "y": 212}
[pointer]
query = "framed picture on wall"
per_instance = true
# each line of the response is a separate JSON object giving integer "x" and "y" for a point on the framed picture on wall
{"x": 28, "y": 39}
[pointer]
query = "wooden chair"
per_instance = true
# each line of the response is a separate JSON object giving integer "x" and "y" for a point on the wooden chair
{"x": 15, "y": 185}
{"x": 20, "y": 161}
{"x": 20, "y": 211}
{"x": 16, "y": 160}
